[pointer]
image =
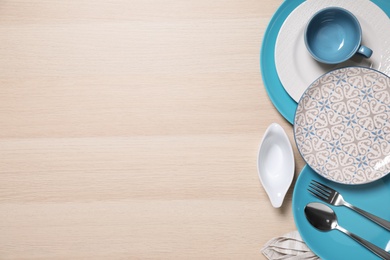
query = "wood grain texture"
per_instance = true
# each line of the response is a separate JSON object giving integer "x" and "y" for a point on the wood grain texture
{"x": 130, "y": 130}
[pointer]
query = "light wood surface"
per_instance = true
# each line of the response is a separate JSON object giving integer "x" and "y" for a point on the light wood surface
{"x": 130, "y": 130}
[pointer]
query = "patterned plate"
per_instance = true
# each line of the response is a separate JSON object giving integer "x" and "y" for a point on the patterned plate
{"x": 342, "y": 125}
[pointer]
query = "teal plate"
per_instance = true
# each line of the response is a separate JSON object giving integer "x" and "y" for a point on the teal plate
{"x": 333, "y": 245}
{"x": 277, "y": 94}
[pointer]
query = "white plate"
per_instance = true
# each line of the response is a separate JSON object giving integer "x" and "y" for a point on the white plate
{"x": 297, "y": 69}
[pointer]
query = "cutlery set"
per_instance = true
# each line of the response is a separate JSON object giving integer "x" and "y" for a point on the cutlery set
{"x": 324, "y": 218}
{"x": 332, "y": 197}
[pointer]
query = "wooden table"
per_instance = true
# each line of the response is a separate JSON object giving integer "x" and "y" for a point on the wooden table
{"x": 130, "y": 130}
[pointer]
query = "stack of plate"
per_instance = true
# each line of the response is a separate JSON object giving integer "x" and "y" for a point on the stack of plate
{"x": 288, "y": 69}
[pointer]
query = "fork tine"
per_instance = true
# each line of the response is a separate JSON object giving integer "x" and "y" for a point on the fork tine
{"x": 315, "y": 194}
{"x": 318, "y": 191}
{"x": 322, "y": 187}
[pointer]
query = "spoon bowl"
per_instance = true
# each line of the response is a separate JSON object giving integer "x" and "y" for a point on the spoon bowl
{"x": 321, "y": 216}
{"x": 275, "y": 164}
{"x": 324, "y": 218}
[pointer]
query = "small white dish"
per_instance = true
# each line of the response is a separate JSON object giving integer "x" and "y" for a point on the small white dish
{"x": 275, "y": 164}
{"x": 297, "y": 69}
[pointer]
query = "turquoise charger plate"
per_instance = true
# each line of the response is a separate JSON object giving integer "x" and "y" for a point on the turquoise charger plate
{"x": 334, "y": 245}
{"x": 277, "y": 94}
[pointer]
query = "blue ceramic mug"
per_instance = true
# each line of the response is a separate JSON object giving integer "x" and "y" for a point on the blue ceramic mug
{"x": 333, "y": 35}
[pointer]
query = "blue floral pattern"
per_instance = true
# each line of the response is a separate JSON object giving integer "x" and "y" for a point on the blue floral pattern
{"x": 342, "y": 125}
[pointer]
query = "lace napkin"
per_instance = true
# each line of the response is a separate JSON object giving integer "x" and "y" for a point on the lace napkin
{"x": 289, "y": 246}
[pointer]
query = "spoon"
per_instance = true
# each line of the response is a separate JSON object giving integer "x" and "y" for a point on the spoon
{"x": 324, "y": 218}
{"x": 275, "y": 164}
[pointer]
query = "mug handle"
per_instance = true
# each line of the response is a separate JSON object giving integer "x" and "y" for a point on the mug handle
{"x": 365, "y": 51}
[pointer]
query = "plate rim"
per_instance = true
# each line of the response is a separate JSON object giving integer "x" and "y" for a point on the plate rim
{"x": 267, "y": 59}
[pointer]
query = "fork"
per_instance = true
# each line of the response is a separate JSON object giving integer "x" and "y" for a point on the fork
{"x": 331, "y": 196}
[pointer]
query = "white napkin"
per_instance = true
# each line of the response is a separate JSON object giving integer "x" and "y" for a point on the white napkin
{"x": 289, "y": 246}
